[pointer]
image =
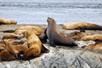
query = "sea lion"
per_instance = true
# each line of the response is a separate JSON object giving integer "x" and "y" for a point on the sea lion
{"x": 35, "y": 46}
{"x": 56, "y": 38}
{"x": 82, "y": 26}
{"x": 4, "y": 21}
{"x": 94, "y": 37}
{"x": 78, "y": 35}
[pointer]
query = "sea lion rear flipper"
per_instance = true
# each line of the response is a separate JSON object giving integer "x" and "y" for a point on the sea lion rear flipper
{"x": 44, "y": 49}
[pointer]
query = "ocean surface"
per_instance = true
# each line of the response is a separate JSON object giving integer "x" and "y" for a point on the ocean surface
{"x": 63, "y": 11}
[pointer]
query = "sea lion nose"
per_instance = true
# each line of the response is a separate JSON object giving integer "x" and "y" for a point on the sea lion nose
{"x": 48, "y": 18}
{"x": 20, "y": 56}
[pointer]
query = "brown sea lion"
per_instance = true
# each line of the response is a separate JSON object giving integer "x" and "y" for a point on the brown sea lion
{"x": 94, "y": 37}
{"x": 56, "y": 38}
{"x": 78, "y": 35}
{"x": 35, "y": 47}
{"x": 4, "y": 21}
{"x": 82, "y": 26}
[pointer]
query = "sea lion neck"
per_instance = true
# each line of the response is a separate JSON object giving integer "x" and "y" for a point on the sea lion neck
{"x": 51, "y": 23}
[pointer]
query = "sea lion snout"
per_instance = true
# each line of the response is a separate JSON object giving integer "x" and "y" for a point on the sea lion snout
{"x": 50, "y": 20}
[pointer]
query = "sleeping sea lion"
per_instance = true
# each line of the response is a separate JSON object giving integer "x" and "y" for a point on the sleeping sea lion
{"x": 35, "y": 46}
{"x": 82, "y": 26}
{"x": 94, "y": 37}
{"x": 56, "y": 38}
{"x": 78, "y": 35}
{"x": 4, "y": 21}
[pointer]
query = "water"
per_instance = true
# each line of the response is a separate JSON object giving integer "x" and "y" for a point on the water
{"x": 64, "y": 11}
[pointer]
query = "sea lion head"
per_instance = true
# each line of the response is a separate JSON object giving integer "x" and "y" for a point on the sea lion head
{"x": 51, "y": 20}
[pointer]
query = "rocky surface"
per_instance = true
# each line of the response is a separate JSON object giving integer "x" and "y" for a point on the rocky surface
{"x": 58, "y": 57}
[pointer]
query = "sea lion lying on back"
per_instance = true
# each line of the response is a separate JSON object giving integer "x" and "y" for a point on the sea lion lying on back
{"x": 56, "y": 38}
{"x": 82, "y": 26}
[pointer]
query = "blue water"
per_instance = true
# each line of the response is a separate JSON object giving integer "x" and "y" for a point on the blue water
{"x": 64, "y": 11}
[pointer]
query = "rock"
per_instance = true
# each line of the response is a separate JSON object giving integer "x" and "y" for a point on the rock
{"x": 4, "y": 21}
{"x": 95, "y": 47}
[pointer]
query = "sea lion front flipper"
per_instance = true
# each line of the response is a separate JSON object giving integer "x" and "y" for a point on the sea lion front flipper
{"x": 44, "y": 49}
{"x": 51, "y": 42}
{"x": 43, "y": 37}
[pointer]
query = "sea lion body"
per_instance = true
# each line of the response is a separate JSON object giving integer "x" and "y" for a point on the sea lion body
{"x": 35, "y": 47}
{"x": 82, "y": 26}
{"x": 4, "y": 21}
{"x": 78, "y": 35}
{"x": 56, "y": 38}
{"x": 94, "y": 37}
